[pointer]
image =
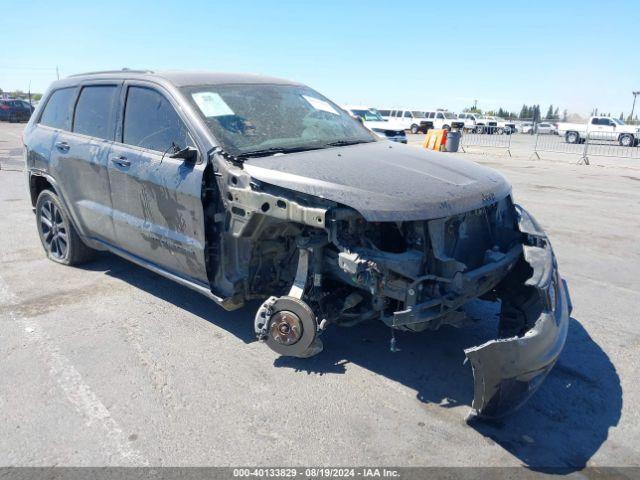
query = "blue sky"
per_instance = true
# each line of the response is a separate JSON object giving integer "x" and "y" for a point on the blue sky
{"x": 573, "y": 54}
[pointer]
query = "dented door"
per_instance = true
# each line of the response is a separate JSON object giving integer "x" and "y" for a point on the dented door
{"x": 157, "y": 206}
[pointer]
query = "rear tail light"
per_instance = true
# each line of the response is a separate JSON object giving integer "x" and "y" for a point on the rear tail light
{"x": 4, "y": 107}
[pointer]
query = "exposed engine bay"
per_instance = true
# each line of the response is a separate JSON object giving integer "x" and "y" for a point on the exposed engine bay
{"x": 319, "y": 264}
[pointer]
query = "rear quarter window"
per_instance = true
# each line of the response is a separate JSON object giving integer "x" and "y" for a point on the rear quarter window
{"x": 57, "y": 111}
{"x": 93, "y": 115}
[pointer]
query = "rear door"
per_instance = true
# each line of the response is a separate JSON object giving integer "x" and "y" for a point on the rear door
{"x": 79, "y": 159}
{"x": 158, "y": 213}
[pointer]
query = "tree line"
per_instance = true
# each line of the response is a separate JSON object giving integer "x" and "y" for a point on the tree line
{"x": 533, "y": 113}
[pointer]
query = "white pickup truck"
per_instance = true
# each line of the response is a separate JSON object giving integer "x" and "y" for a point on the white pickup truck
{"x": 601, "y": 128}
{"x": 477, "y": 123}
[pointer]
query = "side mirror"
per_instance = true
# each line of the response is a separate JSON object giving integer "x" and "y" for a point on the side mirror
{"x": 188, "y": 154}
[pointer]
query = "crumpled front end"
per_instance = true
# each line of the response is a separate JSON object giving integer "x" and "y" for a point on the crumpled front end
{"x": 408, "y": 264}
{"x": 533, "y": 328}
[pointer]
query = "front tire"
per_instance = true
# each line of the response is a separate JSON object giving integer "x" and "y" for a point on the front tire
{"x": 59, "y": 238}
{"x": 500, "y": 131}
{"x": 572, "y": 137}
{"x": 415, "y": 129}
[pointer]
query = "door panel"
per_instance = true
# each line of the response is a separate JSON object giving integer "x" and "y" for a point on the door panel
{"x": 157, "y": 203}
{"x": 157, "y": 210}
{"x": 79, "y": 164}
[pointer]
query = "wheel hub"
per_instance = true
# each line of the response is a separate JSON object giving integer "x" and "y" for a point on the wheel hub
{"x": 286, "y": 327}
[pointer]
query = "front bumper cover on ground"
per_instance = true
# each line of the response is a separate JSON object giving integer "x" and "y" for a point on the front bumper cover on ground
{"x": 507, "y": 371}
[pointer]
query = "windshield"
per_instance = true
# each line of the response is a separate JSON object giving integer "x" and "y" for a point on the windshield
{"x": 618, "y": 121}
{"x": 368, "y": 115}
{"x": 253, "y": 118}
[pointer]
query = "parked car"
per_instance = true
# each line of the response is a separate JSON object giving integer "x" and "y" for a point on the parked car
{"x": 243, "y": 187}
{"x": 601, "y": 128}
{"x": 444, "y": 120}
{"x": 371, "y": 119}
{"x": 412, "y": 120}
{"x": 14, "y": 110}
{"x": 546, "y": 128}
{"x": 524, "y": 127}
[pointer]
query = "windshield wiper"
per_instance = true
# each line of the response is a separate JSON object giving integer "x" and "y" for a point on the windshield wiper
{"x": 344, "y": 143}
{"x": 263, "y": 152}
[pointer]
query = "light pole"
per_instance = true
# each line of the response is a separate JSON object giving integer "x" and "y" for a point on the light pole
{"x": 635, "y": 94}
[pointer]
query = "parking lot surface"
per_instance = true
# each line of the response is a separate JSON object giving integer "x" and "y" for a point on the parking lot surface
{"x": 110, "y": 364}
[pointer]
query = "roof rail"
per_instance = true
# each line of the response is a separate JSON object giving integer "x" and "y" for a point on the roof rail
{"x": 123, "y": 70}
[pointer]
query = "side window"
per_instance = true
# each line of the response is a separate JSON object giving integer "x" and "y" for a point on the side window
{"x": 595, "y": 121}
{"x": 440, "y": 115}
{"x": 93, "y": 111}
{"x": 407, "y": 114}
{"x": 606, "y": 122}
{"x": 384, "y": 113}
{"x": 57, "y": 111}
{"x": 432, "y": 115}
{"x": 150, "y": 121}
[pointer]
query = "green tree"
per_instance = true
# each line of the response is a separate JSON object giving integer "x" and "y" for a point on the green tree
{"x": 549, "y": 115}
{"x": 535, "y": 113}
{"x": 565, "y": 115}
{"x": 523, "y": 112}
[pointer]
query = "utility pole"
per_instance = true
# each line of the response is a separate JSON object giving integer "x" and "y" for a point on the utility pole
{"x": 57, "y": 72}
{"x": 30, "y": 92}
{"x": 635, "y": 94}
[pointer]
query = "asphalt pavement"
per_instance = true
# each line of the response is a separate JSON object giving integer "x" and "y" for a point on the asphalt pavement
{"x": 110, "y": 364}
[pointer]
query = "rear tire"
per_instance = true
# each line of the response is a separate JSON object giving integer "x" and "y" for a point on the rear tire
{"x": 446, "y": 127}
{"x": 59, "y": 238}
{"x": 626, "y": 140}
{"x": 500, "y": 131}
{"x": 415, "y": 129}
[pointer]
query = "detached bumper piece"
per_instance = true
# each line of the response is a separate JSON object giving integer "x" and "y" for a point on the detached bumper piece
{"x": 533, "y": 328}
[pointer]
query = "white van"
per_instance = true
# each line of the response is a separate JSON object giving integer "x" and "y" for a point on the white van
{"x": 443, "y": 119}
{"x": 413, "y": 120}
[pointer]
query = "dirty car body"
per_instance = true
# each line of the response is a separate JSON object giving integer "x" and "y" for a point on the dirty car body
{"x": 270, "y": 191}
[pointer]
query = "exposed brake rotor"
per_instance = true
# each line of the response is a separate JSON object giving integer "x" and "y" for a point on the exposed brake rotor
{"x": 288, "y": 326}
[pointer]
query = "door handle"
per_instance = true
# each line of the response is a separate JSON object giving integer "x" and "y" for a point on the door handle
{"x": 63, "y": 146}
{"x": 122, "y": 161}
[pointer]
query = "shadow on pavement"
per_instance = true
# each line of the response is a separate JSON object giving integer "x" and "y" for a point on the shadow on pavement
{"x": 560, "y": 428}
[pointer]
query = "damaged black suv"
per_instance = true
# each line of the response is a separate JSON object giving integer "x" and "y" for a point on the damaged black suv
{"x": 247, "y": 187}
